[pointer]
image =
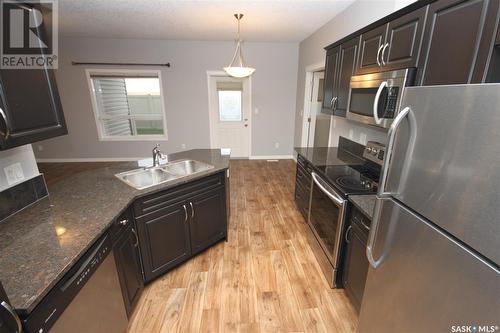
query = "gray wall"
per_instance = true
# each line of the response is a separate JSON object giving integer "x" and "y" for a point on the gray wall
{"x": 274, "y": 85}
{"x": 311, "y": 52}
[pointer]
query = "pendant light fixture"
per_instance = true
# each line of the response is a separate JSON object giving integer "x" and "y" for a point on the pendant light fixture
{"x": 238, "y": 69}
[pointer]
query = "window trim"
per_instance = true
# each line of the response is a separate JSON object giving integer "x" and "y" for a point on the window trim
{"x": 97, "y": 118}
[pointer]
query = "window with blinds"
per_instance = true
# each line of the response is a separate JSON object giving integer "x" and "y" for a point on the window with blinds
{"x": 128, "y": 106}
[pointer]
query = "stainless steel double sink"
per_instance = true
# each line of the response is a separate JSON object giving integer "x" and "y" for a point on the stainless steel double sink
{"x": 147, "y": 177}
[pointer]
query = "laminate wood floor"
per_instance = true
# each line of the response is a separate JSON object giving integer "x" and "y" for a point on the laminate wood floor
{"x": 264, "y": 279}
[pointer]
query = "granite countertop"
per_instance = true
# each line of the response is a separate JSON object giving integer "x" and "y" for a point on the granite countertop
{"x": 365, "y": 203}
{"x": 40, "y": 244}
{"x": 328, "y": 156}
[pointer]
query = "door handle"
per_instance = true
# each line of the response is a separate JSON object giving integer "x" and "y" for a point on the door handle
{"x": 390, "y": 147}
{"x": 331, "y": 102}
{"x": 378, "y": 55}
{"x": 192, "y": 210}
{"x": 335, "y": 103}
{"x": 332, "y": 196}
{"x": 5, "y": 134}
{"x": 136, "y": 238}
{"x": 9, "y": 309}
{"x": 347, "y": 234}
{"x": 375, "y": 102}
{"x": 185, "y": 213}
{"x": 383, "y": 53}
{"x": 381, "y": 191}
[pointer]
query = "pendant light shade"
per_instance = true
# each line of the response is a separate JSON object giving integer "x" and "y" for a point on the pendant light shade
{"x": 237, "y": 67}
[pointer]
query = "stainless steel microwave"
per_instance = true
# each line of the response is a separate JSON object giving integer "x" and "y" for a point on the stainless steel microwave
{"x": 374, "y": 98}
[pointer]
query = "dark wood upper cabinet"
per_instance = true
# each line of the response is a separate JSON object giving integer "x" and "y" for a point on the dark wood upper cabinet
{"x": 340, "y": 66}
{"x": 208, "y": 219}
{"x": 458, "y": 39}
{"x": 348, "y": 54}
{"x": 370, "y": 48}
{"x": 395, "y": 45}
{"x": 330, "y": 81}
{"x": 128, "y": 264}
{"x": 164, "y": 239}
{"x": 31, "y": 107}
{"x": 404, "y": 38}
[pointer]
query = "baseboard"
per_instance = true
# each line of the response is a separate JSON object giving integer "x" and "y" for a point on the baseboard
{"x": 89, "y": 159}
{"x": 272, "y": 157}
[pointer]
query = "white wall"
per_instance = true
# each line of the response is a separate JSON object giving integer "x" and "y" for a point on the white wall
{"x": 274, "y": 86}
{"x": 311, "y": 51}
{"x": 22, "y": 155}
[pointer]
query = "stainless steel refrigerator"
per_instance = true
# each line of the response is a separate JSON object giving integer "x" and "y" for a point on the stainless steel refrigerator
{"x": 434, "y": 246}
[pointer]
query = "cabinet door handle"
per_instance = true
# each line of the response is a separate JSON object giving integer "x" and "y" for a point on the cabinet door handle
{"x": 11, "y": 312}
{"x": 331, "y": 101}
{"x": 185, "y": 213}
{"x": 5, "y": 134}
{"x": 378, "y": 55}
{"x": 347, "y": 234}
{"x": 335, "y": 103}
{"x": 192, "y": 210}
{"x": 136, "y": 238}
{"x": 383, "y": 53}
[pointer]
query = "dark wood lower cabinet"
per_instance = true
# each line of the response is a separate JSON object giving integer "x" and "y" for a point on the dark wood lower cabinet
{"x": 128, "y": 264}
{"x": 164, "y": 239}
{"x": 355, "y": 262}
{"x": 207, "y": 221}
{"x": 180, "y": 229}
{"x": 303, "y": 186}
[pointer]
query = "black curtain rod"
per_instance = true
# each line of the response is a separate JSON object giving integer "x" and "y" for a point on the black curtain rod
{"x": 75, "y": 63}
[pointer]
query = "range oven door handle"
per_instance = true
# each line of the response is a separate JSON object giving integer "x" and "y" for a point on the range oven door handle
{"x": 375, "y": 102}
{"x": 338, "y": 200}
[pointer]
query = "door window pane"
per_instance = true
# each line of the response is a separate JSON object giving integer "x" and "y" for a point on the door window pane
{"x": 229, "y": 105}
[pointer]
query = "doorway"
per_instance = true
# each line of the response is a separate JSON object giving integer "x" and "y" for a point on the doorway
{"x": 229, "y": 111}
{"x": 316, "y": 128}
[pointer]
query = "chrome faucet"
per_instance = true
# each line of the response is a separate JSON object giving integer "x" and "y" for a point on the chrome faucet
{"x": 157, "y": 155}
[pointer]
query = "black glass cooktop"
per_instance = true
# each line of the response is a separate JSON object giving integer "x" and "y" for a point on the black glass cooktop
{"x": 355, "y": 179}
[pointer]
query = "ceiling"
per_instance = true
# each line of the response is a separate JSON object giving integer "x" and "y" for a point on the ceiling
{"x": 265, "y": 21}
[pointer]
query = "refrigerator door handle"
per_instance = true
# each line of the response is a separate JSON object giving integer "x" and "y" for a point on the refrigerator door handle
{"x": 389, "y": 149}
{"x": 381, "y": 191}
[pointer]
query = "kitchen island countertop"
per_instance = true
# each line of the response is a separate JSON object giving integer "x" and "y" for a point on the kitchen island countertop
{"x": 39, "y": 244}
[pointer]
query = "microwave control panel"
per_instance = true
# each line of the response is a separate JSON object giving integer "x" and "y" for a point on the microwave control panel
{"x": 391, "y": 102}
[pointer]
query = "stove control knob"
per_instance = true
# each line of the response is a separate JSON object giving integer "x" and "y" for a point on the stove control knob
{"x": 369, "y": 149}
{"x": 374, "y": 151}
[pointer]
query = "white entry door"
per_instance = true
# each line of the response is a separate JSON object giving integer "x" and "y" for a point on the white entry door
{"x": 230, "y": 114}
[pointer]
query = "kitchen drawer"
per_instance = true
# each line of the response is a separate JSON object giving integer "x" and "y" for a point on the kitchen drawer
{"x": 302, "y": 199}
{"x": 153, "y": 202}
{"x": 303, "y": 177}
{"x": 361, "y": 221}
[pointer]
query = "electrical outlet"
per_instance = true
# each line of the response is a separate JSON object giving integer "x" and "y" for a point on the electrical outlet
{"x": 334, "y": 122}
{"x": 276, "y": 145}
{"x": 351, "y": 134}
{"x": 256, "y": 111}
{"x": 183, "y": 146}
{"x": 40, "y": 148}
{"x": 14, "y": 173}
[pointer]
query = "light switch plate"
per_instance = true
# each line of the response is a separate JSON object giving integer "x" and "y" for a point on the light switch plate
{"x": 14, "y": 173}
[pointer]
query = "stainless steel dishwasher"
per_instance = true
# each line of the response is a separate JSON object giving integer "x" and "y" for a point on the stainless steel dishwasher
{"x": 87, "y": 299}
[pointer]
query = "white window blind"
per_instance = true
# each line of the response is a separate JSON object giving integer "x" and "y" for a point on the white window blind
{"x": 128, "y": 106}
